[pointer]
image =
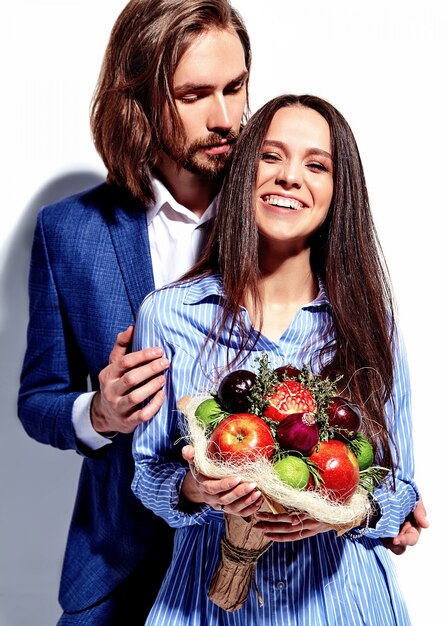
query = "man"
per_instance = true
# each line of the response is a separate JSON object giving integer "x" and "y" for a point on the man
{"x": 168, "y": 107}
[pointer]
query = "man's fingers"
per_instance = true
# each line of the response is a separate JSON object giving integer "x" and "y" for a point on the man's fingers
{"x": 141, "y": 381}
{"x": 121, "y": 345}
{"x": 140, "y": 416}
{"x": 145, "y": 363}
{"x": 151, "y": 408}
{"x": 135, "y": 393}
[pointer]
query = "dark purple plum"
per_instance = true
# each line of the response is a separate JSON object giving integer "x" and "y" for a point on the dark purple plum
{"x": 287, "y": 371}
{"x": 344, "y": 416}
{"x": 234, "y": 389}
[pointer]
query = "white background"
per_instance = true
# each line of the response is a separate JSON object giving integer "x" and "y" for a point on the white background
{"x": 382, "y": 64}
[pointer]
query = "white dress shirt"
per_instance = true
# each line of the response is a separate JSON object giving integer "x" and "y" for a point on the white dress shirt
{"x": 176, "y": 236}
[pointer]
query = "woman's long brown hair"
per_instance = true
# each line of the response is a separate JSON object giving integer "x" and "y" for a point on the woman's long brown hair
{"x": 135, "y": 87}
{"x": 345, "y": 254}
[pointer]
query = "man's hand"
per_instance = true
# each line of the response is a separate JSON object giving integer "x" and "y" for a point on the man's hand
{"x": 125, "y": 383}
{"x": 230, "y": 494}
{"x": 288, "y": 527}
{"x": 410, "y": 530}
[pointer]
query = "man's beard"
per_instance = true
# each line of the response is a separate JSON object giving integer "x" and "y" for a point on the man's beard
{"x": 193, "y": 158}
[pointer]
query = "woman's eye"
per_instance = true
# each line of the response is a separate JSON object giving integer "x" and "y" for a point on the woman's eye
{"x": 315, "y": 165}
{"x": 269, "y": 156}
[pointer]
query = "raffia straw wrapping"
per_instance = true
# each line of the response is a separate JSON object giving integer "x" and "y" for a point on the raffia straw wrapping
{"x": 242, "y": 544}
{"x": 281, "y": 497}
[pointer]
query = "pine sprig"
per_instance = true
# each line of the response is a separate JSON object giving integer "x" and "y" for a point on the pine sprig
{"x": 264, "y": 385}
{"x": 372, "y": 477}
{"x": 317, "y": 478}
{"x": 356, "y": 445}
{"x": 215, "y": 421}
{"x": 322, "y": 390}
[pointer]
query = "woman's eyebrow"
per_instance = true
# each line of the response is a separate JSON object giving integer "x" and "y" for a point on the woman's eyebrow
{"x": 280, "y": 144}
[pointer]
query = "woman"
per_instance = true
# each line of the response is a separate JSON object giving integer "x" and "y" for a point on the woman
{"x": 292, "y": 268}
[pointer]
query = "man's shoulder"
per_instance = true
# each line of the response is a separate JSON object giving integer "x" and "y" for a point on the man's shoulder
{"x": 98, "y": 203}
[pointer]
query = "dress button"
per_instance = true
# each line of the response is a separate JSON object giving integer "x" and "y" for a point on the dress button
{"x": 280, "y": 585}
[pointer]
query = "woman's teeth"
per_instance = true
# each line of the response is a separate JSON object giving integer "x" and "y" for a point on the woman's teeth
{"x": 287, "y": 203}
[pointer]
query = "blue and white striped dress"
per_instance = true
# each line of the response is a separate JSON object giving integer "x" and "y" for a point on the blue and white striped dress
{"x": 323, "y": 580}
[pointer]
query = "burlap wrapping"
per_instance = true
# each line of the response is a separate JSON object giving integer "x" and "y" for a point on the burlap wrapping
{"x": 241, "y": 546}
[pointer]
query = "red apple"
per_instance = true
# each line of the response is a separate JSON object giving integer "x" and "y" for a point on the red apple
{"x": 241, "y": 437}
{"x": 289, "y": 397}
{"x": 344, "y": 416}
{"x": 339, "y": 469}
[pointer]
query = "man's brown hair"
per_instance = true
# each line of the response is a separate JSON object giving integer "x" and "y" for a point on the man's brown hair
{"x": 136, "y": 82}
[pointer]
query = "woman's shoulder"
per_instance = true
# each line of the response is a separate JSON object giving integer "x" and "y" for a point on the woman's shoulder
{"x": 182, "y": 293}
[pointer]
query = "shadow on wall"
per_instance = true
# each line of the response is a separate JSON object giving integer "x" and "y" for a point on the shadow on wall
{"x": 14, "y": 275}
{"x": 37, "y": 482}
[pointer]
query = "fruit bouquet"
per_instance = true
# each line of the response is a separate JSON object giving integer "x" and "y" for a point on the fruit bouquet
{"x": 288, "y": 431}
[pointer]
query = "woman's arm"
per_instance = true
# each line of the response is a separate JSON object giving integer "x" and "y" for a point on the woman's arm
{"x": 164, "y": 481}
{"x": 394, "y": 505}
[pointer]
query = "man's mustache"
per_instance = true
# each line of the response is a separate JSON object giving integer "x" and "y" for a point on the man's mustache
{"x": 212, "y": 141}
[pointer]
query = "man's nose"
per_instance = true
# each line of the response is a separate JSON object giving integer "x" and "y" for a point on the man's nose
{"x": 219, "y": 116}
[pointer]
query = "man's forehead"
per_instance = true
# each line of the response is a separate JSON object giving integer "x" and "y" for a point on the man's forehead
{"x": 214, "y": 57}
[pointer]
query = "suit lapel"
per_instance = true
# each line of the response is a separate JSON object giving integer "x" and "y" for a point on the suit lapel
{"x": 130, "y": 239}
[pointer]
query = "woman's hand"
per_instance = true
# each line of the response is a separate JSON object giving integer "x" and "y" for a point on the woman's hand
{"x": 289, "y": 527}
{"x": 409, "y": 532}
{"x": 229, "y": 494}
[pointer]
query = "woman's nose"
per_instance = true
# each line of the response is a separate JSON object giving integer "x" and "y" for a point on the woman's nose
{"x": 291, "y": 175}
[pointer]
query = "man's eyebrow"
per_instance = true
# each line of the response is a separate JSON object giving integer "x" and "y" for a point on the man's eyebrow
{"x": 191, "y": 86}
{"x": 239, "y": 79}
{"x": 280, "y": 144}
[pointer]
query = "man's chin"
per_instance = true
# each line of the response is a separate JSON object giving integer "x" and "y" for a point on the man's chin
{"x": 209, "y": 169}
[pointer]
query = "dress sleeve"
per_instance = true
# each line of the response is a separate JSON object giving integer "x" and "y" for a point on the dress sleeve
{"x": 394, "y": 505}
{"x": 159, "y": 467}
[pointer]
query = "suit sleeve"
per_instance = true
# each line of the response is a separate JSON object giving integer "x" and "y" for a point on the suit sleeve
{"x": 53, "y": 366}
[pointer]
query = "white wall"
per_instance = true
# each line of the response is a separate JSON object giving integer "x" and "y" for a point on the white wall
{"x": 383, "y": 65}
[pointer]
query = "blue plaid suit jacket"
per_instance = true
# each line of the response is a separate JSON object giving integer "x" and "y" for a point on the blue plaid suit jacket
{"x": 90, "y": 269}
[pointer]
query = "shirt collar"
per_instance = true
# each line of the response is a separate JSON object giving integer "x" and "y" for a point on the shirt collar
{"x": 322, "y": 299}
{"x": 164, "y": 197}
{"x": 201, "y": 289}
{"x": 204, "y": 288}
